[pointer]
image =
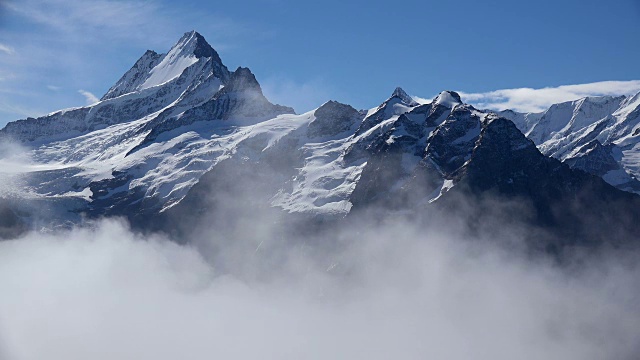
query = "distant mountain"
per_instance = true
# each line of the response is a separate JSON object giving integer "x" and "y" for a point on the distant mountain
{"x": 179, "y": 135}
{"x": 599, "y": 135}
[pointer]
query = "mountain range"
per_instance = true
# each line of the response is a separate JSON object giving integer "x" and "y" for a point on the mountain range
{"x": 180, "y": 135}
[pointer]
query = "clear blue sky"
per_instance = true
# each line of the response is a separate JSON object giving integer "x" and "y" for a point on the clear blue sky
{"x": 306, "y": 52}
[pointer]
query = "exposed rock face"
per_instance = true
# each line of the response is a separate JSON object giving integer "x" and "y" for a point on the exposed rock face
{"x": 136, "y": 76}
{"x": 596, "y": 159}
{"x": 572, "y": 204}
{"x": 452, "y": 142}
{"x": 11, "y": 225}
{"x": 333, "y": 118}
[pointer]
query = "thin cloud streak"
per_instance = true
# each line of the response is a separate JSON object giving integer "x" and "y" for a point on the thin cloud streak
{"x": 114, "y": 17}
{"x": 91, "y": 98}
{"x": 537, "y": 100}
{"x": 8, "y": 108}
{"x": 117, "y": 20}
{"x": 7, "y": 49}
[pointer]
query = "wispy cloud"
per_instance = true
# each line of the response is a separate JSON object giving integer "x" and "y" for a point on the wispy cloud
{"x": 115, "y": 20}
{"x": 111, "y": 16}
{"x": 536, "y": 100}
{"x": 18, "y": 110}
{"x": 7, "y": 49}
{"x": 91, "y": 99}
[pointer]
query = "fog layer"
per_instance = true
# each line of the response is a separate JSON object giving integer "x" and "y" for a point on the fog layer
{"x": 391, "y": 291}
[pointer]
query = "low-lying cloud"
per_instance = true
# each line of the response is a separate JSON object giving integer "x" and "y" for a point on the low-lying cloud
{"x": 14, "y": 160}
{"x": 537, "y": 100}
{"x": 393, "y": 291}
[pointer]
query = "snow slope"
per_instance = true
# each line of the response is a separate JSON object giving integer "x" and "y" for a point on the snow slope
{"x": 591, "y": 134}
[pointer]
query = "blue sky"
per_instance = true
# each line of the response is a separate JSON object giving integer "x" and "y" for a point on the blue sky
{"x": 60, "y": 53}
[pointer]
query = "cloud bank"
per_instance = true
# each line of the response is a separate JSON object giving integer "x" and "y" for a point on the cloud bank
{"x": 537, "y": 100}
{"x": 393, "y": 292}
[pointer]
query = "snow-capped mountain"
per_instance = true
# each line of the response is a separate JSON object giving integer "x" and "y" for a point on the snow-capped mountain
{"x": 154, "y": 69}
{"x": 102, "y": 154}
{"x": 188, "y": 75}
{"x": 599, "y": 135}
{"x": 179, "y": 130}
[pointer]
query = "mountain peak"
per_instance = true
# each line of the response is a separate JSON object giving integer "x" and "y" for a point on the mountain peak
{"x": 154, "y": 69}
{"x": 448, "y": 99}
{"x": 333, "y": 107}
{"x": 243, "y": 79}
{"x": 194, "y": 43}
{"x": 333, "y": 118}
{"x": 399, "y": 93}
